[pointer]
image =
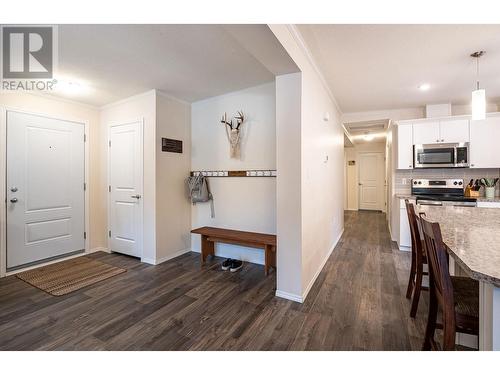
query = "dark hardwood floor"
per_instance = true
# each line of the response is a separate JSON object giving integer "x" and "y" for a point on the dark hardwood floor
{"x": 357, "y": 303}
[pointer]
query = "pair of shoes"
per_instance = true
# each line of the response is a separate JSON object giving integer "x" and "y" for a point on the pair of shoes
{"x": 232, "y": 265}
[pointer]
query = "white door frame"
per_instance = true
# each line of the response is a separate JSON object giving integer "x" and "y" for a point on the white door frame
{"x": 382, "y": 181}
{"x": 3, "y": 186}
{"x": 141, "y": 131}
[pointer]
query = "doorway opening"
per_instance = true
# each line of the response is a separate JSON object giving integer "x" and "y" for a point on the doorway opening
{"x": 365, "y": 185}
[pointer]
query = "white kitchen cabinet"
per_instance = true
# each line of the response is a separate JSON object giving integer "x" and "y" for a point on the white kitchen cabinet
{"x": 405, "y": 146}
{"x": 454, "y": 131}
{"x": 426, "y": 132}
{"x": 484, "y": 141}
{"x": 404, "y": 239}
{"x": 444, "y": 131}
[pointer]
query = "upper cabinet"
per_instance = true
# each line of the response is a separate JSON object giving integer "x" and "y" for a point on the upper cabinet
{"x": 404, "y": 146}
{"x": 426, "y": 132}
{"x": 443, "y": 131}
{"x": 484, "y": 139}
{"x": 454, "y": 131}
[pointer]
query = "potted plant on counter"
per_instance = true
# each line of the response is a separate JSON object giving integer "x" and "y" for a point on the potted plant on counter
{"x": 489, "y": 186}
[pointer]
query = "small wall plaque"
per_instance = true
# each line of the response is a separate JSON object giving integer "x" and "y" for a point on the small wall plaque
{"x": 171, "y": 145}
{"x": 352, "y": 162}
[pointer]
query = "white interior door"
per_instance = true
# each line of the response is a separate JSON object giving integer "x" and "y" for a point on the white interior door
{"x": 45, "y": 188}
{"x": 371, "y": 181}
{"x": 125, "y": 188}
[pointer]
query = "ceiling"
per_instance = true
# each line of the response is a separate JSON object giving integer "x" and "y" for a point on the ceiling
{"x": 100, "y": 64}
{"x": 373, "y": 67}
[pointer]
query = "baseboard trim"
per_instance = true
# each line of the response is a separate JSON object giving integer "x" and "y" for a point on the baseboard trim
{"x": 99, "y": 248}
{"x": 155, "y": 262}
{"x": 313, "y": 280}
{"x": 301, "y": 299}
{"x": 289, "y": 296}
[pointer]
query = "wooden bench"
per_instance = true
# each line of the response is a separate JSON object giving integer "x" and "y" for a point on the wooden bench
{"x": 210, "y": 235}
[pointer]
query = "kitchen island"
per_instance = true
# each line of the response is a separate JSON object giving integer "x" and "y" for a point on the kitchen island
{"x": 472, "y": 236}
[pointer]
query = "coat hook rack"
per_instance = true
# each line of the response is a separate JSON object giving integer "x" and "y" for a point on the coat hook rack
{"x": 242, "y": 173}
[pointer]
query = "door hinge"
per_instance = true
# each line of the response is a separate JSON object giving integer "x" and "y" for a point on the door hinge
{"x": 109, "y": 234}
{"x": 85, "y": 137}
{"x": 84, "y": 235}
{"x": 84, "y": 186}
{"x": 109, "y": 143}
{"x": 109, "y": 188}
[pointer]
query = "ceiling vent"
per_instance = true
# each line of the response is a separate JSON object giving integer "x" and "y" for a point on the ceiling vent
{"x": 362, "y": 127}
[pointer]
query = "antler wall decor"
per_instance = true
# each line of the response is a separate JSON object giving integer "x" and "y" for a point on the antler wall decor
{"x": 233, "y": 133}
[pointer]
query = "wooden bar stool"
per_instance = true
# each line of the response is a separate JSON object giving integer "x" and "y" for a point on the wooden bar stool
{"x": 458, "y": 297}
{"x": 418, "y": 259}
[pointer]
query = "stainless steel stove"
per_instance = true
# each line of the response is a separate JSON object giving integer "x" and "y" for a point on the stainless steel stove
{"x": 446, "y": 192}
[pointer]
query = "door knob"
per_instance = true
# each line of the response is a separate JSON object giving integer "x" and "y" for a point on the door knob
{"x": 137, "y": 196}
{"x": 13, "y": 200}
{"x": 13, "y": 189}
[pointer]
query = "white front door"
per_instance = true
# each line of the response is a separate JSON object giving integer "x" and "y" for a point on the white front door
{"x": 125, "y": 188}
{"x": 45, "y": 188}
{"x": 371, "y": 181}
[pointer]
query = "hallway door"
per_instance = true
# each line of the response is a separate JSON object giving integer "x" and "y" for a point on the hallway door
{"x": 371, "y": 181}
{"x": 125, "y": 188}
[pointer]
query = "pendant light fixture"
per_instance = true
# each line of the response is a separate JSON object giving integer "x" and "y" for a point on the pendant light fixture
{"x": 478, "y": 95}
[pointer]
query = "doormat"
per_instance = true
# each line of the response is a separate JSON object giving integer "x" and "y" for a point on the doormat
{"x": 64, "y": 277}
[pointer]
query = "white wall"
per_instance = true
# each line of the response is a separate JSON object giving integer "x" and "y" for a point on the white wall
{"x": 240, "y": 203}
{"x": 289, "y": 185}
{"x": 173, "y": 209}
{"x": 142, "y": 106}
{"x": 322, "y": 188}
{"x": 321, "y": 210}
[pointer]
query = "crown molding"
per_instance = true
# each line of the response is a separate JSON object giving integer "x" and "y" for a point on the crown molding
{"x": 297, "y": 36}
{"x": 130, "y": 98}
{"x": 169, "y": 96}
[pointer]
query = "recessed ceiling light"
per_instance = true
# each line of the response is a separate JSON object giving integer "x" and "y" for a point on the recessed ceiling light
{"x": 368, "y": 137}
{"x": 424, "y": 86}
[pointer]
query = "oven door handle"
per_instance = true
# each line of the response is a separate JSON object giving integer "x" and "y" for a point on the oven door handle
{"x": 461, "y": 204}
{"x": 425, "y": 202}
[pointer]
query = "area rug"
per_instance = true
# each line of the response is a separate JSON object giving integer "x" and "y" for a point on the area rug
{"x": 67, "y": 276}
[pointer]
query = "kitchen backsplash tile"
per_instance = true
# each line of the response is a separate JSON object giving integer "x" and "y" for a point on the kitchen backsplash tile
{"x": 402, "y": 178}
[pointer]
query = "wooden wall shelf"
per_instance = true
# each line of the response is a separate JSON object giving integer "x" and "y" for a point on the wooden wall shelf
{"x": 244, "y": 173}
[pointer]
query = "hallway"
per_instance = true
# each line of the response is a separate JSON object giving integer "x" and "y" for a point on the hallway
{"x": 357, "y": 303}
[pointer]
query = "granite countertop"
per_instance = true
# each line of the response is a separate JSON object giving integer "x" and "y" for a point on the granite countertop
{"x": 479, "y": 199}
{"x": 473, "y": 237}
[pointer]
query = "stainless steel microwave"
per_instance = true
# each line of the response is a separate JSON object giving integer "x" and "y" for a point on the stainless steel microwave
{"x": 441, "y": 155}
